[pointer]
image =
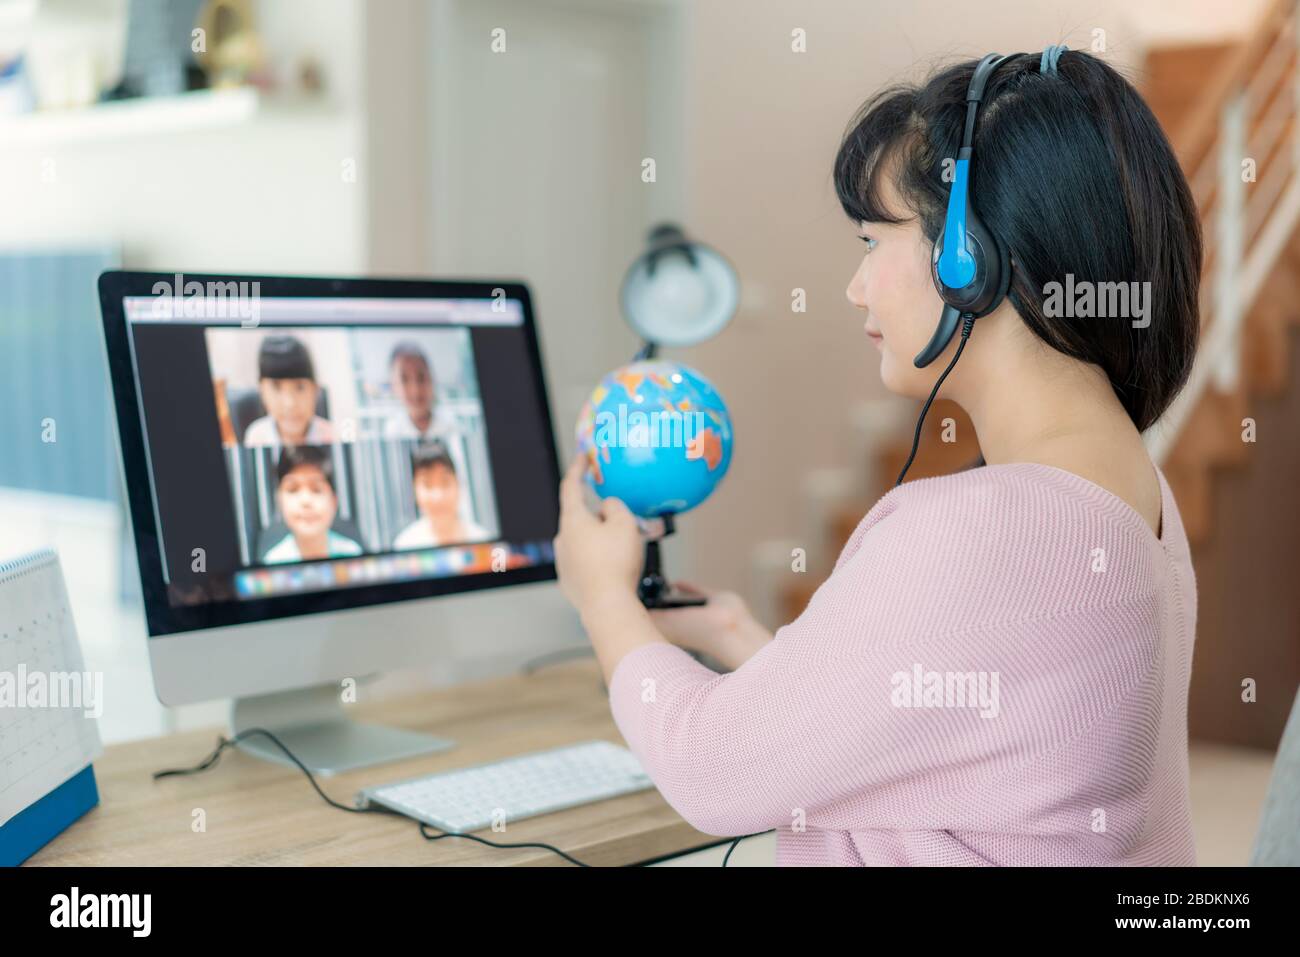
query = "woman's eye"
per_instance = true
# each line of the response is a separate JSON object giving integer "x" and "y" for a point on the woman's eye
{"x": 871, "y": 243}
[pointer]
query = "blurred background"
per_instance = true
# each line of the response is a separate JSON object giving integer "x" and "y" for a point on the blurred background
{"x": 508, "y": 138}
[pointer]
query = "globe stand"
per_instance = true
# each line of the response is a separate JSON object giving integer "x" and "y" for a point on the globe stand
{"x": 654, "y": 590}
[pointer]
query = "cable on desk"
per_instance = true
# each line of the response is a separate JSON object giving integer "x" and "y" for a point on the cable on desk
{"x": 427, "y": 832}
{"x": 736, "y": 843}
{"x": 431, "y": 834}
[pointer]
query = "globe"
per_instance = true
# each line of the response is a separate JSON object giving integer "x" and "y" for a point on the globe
{"x": 657, "y": 436}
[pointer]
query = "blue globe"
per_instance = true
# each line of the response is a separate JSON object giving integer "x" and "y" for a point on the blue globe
{"x": 657, "y": 436}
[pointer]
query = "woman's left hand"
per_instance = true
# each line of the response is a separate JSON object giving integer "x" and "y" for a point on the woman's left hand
{"x": 598, "y": 557}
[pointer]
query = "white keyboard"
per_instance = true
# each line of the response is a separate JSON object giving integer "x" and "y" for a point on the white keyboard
{"x": 474, "y": 798}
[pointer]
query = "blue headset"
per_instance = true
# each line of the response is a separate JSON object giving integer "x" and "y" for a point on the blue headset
{"x": 970, "y": 267}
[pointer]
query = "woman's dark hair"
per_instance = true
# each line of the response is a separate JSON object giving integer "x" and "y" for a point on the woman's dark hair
{"x": 1074, "y": 175}
{"x": 311, "y": 456}
{"x": 428, "y": 454}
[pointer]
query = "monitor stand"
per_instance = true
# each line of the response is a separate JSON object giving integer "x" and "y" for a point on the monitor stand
{"x": 313, "y": 724}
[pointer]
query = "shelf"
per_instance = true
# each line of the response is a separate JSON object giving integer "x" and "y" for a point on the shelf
{"x": 185, "y": 112}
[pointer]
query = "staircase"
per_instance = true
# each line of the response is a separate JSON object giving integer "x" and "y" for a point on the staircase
{"x": 1221, "y": 103}
{"x": 1245, "y": 110}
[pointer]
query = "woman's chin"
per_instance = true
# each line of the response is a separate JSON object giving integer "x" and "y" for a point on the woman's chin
{"x": 889, "y": 373}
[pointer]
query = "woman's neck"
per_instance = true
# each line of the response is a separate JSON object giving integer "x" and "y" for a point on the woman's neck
{"x": 1052, "y": 409}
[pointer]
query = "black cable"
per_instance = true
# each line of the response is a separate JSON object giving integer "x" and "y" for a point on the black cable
{"x": 736, "y": 843}
{"x": 223, "y": 743}
{"x": 968, "y": 323}
{"x": 425, "y": 829}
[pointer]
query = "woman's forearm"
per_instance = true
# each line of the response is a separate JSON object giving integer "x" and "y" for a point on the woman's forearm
{"x": 739, "y": 646}
{"x": 617, "y": 626}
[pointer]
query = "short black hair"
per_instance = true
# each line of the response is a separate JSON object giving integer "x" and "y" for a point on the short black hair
{"x": 430, "y": 453}
{"x": 310, "y": 456}
{"x": 1074, "y": 175}
{"x": 284, "y": 357}
{"x": 406, "y": 349}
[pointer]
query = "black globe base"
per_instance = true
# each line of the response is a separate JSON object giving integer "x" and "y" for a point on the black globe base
{"x": 654, "y": 590}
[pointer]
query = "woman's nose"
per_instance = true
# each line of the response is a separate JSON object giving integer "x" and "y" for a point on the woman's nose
{"x": 856, "y": 291}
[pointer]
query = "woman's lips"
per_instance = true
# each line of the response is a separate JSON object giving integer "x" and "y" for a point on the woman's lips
{"x": 876, "y": 338}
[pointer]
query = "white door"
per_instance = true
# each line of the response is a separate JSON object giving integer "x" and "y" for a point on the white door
{"x": 537, "y": 154}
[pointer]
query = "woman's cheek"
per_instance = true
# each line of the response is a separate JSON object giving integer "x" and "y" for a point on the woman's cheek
{"x": 902, "y": 343}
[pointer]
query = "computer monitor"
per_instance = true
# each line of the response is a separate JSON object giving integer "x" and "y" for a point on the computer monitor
{"x": 308, "y": 463}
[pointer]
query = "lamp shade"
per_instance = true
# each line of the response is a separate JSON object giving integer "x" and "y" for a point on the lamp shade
{"x": 679, "y": 292}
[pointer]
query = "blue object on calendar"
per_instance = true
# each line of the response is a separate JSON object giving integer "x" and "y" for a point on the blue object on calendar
{"x": 30, "y": 830}
{"x": 48, "y": 706}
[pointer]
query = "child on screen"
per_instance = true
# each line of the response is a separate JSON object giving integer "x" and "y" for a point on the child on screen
{"x": 437, "y": 496}
{"x": 287, "y": 386}
{"x": 422, "y": 416}
{"x": 308, "y": 503}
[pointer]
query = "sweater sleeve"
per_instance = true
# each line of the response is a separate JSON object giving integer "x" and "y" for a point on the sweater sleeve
{"x": 876, "y": 708}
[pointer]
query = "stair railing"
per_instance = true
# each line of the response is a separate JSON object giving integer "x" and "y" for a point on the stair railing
{"x": 1241, "y": 152}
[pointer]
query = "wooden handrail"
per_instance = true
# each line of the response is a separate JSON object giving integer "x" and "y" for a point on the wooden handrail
{"x": 1197, "y": 134}
{"x": 1248, "y": 107}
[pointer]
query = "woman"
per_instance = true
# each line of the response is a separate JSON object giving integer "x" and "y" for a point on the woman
{"x": 996, "y": 671}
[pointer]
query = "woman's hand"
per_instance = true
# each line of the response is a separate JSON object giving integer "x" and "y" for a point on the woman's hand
{"x": 723, "y": 629}
{"x": 598, "y": 557}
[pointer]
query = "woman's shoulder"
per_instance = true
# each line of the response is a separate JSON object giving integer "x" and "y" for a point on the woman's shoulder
{"x": 1008, "y": 530}
{"x": 1007, "y": 496}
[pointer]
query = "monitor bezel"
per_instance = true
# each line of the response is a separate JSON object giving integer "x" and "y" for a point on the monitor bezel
{"x": 161, "y": 616}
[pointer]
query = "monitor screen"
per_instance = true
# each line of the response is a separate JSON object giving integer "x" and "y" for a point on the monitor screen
{"x": 294, "y": 446}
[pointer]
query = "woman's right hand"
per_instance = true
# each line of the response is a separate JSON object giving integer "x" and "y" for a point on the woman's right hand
{"x": 723, "y": 628}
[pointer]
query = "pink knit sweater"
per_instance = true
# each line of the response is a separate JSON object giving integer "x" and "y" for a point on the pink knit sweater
{"x": 995, "y": 672}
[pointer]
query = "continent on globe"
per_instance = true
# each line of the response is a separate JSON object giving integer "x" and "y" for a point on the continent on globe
{"x": 657, "y": 436}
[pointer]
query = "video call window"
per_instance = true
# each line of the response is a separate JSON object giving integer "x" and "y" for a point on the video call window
{"x": 342, "y": 442}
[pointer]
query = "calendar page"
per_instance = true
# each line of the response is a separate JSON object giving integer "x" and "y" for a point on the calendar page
{"x": 49, "y": 703}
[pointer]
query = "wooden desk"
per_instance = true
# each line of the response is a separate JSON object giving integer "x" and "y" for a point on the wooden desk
{"x": 263, "y": 813}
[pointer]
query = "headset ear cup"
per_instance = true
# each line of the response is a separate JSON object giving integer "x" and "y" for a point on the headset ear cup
{"x": 989, "y": 278}
{"x": 957, "y": 297}
{"x": 983, "y": 288}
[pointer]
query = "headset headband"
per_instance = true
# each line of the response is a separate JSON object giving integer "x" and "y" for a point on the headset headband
{"x": 957, "y": 264}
